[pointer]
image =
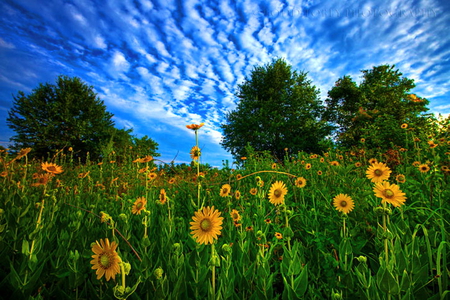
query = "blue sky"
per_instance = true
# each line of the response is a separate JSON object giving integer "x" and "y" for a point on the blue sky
{"x": 159, "y": 64}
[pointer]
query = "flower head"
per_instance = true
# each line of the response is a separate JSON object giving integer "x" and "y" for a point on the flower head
{"x": 424, "y": 168}
{"x": 225, "y": 190}
{"x": 278, "y": 235}
{"x": 195, "y": 126}
{"x": 206, "y": 225}
{"x": 235, "y": 215}
{"x": 300, "y": 182}
{"x": 51, "y": 168}
{"x": 105, "y": 260}
{"x": 195, "y": 153}
{"x": 277, "y": 192}
{"x": 139, "y": 205}
{"x": 389, "y": 193}
{"x": 343, "y": 203}
{"x": 378, "y": 172}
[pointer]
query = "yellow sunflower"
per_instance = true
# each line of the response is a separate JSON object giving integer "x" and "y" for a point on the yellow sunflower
{"x": 51, "y": 168}
{"x": 308, "y": 166}
{"x": 404, "y": 126}
{"x": 195, "y": 153}
{"x": 139, "y": 205}
{"x": 334, "y": 163}
{"x": 389, "y": 193}
{"x": 373, "y": 161}
{"x": 424, "y": 168}
{"x": 235, "y": 215}
{"x": 277, "y": 192}
{"x": 253, "y": 191}
{"x": 237, "y": 195}
{"x": 162, "y": 196}
{"x": 278, "y": 235}
{"x": 378, "y": 172}
{"x": 343, "y": 203}
{"x": 152, "y": 175}
{"x": 300, "y": 182}
{"x": 105, "y": 260}
{"x": 195, "y": 126}
{"x": 206, "y": 225}
{"x": 400, "y": 178}
{"x": 225, "y": 190}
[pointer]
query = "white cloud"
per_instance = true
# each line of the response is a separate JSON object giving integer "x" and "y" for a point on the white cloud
{"x": 5, "y": 44}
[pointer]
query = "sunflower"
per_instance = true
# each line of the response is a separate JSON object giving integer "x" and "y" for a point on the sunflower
{"x": 343, "y": 203}
{"x": 235, "y": 215}
{"x": 238, "y": 177}
{"x": 404, "y": 126}
{"x": 358, "y": 164}
{"x": 206, "y": 225}
{"x": 152, "y": 176}
{"x": 334, "y": 163}
{"x": 274, "y": 165}
{"x": 362, "y": 140}
{"x": 390, "y": 193}
{"x": 253, "y": 191}
{"x": 373, "y": 161}
{"x": 172, "y": 180}
{"x": 162, "y": 196}
{"x": 278, "y": 235}
{"x": 42, "y": 179}
{"x": 105, "y": 260}
{"x": 416, "y": 163}
{"x": 400, "y": 178}
{"x": 51, "y": 168}
{"x": 308, "y": 166}
{"x": 225, "y": 190}
{"x": 319, "y": 173}
{"x": 195, "y": 126}
{"x": 277, "y": 192}
{"x": 139, "y": 205}
{"x": 237, "y": 195}
{"x": 378, "y": 172}
{"x": 195, "y": 153}
{"x": 424, "y": 168}
{"x": 300, "y": 182}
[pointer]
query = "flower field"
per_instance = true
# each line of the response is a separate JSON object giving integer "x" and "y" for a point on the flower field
{"x": 360, "y": 224}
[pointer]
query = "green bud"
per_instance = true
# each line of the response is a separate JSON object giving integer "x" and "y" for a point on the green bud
{"x": 226, "y": 248}
{"x": 123, "y": 217}
{"x": 145, "y": 242}
{"x": 362, "y": 259}
{"x": 259, "y": 234}
{"x": 289, "y": 212}
{"x": 158, "y": 273}
{"x": 215, "y": 260}
{"x": 336, "y": 296}
{"x": 126, "y": 267}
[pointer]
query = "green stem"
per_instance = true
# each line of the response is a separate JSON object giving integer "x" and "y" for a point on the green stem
{"x": 213, "y": 279}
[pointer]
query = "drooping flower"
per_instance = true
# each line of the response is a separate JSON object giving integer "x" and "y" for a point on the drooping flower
{"x": 277, "y": 192}
{"x": 378, "y": 172}
{"x": 105, "y": 260}
{"x": 343, "y": 203}
{"x": 139, "y": 205}
{"x": 389, "y": 193}
{"x": 225, "y": 190}
{"x": 51, "y": 168}
{"x": 206, "y": 225}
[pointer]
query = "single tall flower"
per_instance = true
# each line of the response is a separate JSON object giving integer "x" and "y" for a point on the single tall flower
{"x": 195, "y": 126}
{"x": 206, "y": 225}
{"x": 378, "y": 172}
{"x": 277, "y": 192}
{"x": 105, "y": 260}
{"x": 51, "y": 168}
{"x": 139, "y": 205}
{"x": 389, "y": 193}
{"x": 343, "y": 203}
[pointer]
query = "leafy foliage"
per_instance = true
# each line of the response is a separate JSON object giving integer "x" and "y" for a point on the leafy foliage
{"x": 376, "y": 109}
{"x": 62, "y": 115}
{"x": 278, "y": 108}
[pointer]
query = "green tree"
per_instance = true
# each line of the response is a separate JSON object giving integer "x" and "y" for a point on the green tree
{"x": 278, "y": 108}
{"x": 376, "y": 109}
{"x": 61, "y": 115}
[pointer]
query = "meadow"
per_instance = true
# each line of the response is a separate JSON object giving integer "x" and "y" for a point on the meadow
{"x": 356, "y": 224}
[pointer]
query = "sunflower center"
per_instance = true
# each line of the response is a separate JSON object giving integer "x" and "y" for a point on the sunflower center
{"x": 225, "y": 190}
{"x": 139, "y": 205}
{"x": 205, "y": 225}
{"x": 235, "y": 216}
{"x": 378, "y": 172}
{"x": 105, "y": 262}
{"x": 388, "y": 193}
{"x": 277, "y": 193}
{"x": 343, "y": 203}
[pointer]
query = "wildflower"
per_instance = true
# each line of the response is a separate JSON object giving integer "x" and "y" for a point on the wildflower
{"x": 42, "y": 179}
{"x": 378, "y": 172}
{"x": 404, "y": 126}
{"x": 334, "y": 163}
{"x": 139, "y": 205}
{"x": 268, "y": 221}
{"x": 172, "y": 181}
{"x": 51, "y": 168}
{"x": 249, "y": 228}
{"x": 195, "y": 153}
{"x": 389, "y": 193}
{"x": 424, "y": 168}
{"x": 274, "y": 165}
{"x": 363, "y": 140}
{"x": 300, "y": 182}
{"x": 253, "y": 191}
{"x": 400, "y": 178}
{"x": 162, "y": 196}
{"x": 319, "y": 173}
{"x": 225, "y": 190}
{"x": 243, "y": 158}
{"x": 416, "y": 163}
{"x": 278, "y": 235}
{"x": 195, "y": 126}
{"x": 152, "y": 175}
{"x": 373, "y": 161}
{"x": 206, "y": 225}
{"x": 22, "y": 153}
{"x": 238, "y": 176}
{"x": 343, "y": 203}
{"x": 235, "y": 215}
{"x": 105, "y": 260}
{"x": 308, "y": 166}
{"x": 237, "y": 195}
{"x": 3, "y": 174}
{"x": 358, "y": 164}
{"x": 83, "y": 175}
{"x": 143, "y": 170}
{"x": 277, "y": 192}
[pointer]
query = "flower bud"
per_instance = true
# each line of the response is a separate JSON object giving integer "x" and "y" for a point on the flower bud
{"x": 158, "y": 273}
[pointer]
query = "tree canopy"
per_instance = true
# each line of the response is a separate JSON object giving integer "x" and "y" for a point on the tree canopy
{"x": 376, "y": 109}
{"x": 278, "y": 108}
{"x": 62, "y": 115}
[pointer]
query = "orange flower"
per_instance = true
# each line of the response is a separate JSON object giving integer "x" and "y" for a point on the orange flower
{"x": 195, "y": 126}
{"x": 51, "y": 168}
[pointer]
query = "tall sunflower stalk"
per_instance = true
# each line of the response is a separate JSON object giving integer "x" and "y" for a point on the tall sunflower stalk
{"x": 195, "y": 154}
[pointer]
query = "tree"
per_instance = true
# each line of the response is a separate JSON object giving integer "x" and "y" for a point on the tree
{"x": 278, "y": 108}
{"x": 376, "y": 109}
{"x": 61, "y": 115}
